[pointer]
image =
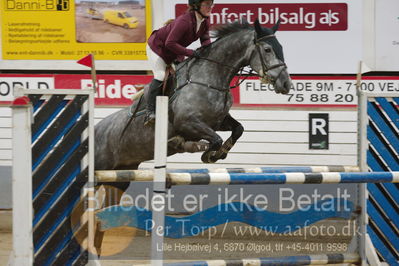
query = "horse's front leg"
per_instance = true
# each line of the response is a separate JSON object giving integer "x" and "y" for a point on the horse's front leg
{"x": 228, "y": 124}
{"x": 197, "y": 130}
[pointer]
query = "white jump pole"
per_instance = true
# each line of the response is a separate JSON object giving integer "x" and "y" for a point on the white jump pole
{"x": 159, "y": 188}
{"x": 22, "y": 254}
{"x": 362, "y": 163}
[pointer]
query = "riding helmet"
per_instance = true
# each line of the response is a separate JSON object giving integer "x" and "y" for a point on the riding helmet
{"x": 195, "y": 2}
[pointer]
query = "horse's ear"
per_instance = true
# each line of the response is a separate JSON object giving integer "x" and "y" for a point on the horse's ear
{"x": 258, "y": 27}
{"x": 276, "y": 26}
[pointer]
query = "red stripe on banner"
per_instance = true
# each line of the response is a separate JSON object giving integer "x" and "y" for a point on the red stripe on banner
{"x": 344, "y": 106}
{"x": 117, "y": 90}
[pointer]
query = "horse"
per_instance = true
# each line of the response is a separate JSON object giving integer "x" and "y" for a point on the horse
{"x": 199, "y": 104}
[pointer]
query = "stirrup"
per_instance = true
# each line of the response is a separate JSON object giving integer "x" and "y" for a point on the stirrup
{"x": 149, "y": 118}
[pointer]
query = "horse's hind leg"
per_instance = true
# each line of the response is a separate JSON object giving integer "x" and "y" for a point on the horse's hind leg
{"x": 228, "y": 124}
{"x": 180, "y": 145}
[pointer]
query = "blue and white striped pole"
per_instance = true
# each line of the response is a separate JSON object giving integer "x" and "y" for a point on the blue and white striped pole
{"x": 272, "y": 169}
{"x": 251, "y": 178}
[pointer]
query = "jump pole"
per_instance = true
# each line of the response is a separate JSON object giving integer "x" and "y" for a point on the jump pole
{"x": 22, "y": 254}
{"x": 362, "y": 162}
{"x": 175, "y": 179}
{"x": 159, "y": 184}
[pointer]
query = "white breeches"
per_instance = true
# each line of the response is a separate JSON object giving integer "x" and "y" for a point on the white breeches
{"x": 157, "y": 64}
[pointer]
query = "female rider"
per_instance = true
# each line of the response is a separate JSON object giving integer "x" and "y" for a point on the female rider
{"x": 169, "y": 43}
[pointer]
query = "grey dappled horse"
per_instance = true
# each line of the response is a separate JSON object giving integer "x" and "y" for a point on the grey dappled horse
{"x": 201, "y": 103}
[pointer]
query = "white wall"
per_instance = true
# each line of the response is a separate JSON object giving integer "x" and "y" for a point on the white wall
{"x": 280, "y": 138}
{"x": 5, "y": 136}
{"x": 271, "y": 137}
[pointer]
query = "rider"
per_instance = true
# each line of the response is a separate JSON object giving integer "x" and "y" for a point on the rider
{"x": 169, "y": 43}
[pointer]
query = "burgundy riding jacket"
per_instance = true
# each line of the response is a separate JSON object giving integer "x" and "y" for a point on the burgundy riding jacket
{"x": 170, "y": 41}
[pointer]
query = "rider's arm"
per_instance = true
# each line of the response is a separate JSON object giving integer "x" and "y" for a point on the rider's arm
{"x": 178, "y": 33}
{"x": 205, "y": 39}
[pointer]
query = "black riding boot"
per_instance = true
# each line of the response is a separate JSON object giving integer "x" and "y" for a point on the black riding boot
{"x": 152, "y": 95}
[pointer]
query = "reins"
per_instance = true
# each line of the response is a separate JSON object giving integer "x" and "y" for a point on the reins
{"x": 265, "y": 69}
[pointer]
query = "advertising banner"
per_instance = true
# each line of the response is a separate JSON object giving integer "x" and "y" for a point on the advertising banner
{"x": 387, "y": 35}
{"x": 308, "y": 91}
{"x": 293, "y": 17}
{"x": 70, "y": 29}
{"x": 318, "y": 37}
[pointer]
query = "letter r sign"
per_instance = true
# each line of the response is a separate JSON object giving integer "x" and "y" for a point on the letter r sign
{"x": 318, "y": 131}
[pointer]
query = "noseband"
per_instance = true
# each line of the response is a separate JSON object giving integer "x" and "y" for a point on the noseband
{"x": 266, "y": 68}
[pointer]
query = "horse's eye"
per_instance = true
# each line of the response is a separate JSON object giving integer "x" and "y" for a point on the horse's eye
{"x": 268, "y": 50}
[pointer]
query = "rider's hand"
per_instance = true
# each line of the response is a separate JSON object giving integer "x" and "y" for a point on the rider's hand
{"x": 196, "y": 54}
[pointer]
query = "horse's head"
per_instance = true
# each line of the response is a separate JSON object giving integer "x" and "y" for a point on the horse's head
{"x": 268, "y": 59}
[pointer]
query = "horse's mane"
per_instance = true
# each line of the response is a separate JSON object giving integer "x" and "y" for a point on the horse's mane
{"x": 224, "y": 30}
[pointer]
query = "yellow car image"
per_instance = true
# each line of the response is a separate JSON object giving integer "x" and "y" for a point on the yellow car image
{"x": 120, "y": 18}
{"x": 93, "y": 14}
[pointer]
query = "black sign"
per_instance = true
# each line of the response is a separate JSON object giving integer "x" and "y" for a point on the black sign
{"x": 318, "y": 131}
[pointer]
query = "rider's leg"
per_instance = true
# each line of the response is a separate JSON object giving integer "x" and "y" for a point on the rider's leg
{"x": 152, "y": 95}
{"x": 158, "y": 69}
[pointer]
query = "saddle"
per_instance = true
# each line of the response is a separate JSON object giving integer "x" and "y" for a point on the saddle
{"x": 169, "y": 81}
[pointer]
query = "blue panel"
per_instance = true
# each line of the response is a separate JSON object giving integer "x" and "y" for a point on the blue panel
{"x": 373, "y": 163}
{"x": 55, "y": 169}
{"x": 58, "y": 249}
{"x": 52, "y": 143}
{"x": 67, "y": 212}
{"x": 49, "y": 120}
{"x": 380, "y": 246}
{"x": 384, "y": 203}
{"x": 393, "y": 191}
{"x": 37, "y": 105}
{"x": 389, "y": 110}
{"x": 385, "y": 228}
{"x": 55, "y": 196}
{"x": 383, "y": 127}
{"x": 381, "y": 150}
{"x": 375, "y": 166}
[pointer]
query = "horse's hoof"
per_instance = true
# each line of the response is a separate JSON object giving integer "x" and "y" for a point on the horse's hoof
{"x": 208, "y": 158}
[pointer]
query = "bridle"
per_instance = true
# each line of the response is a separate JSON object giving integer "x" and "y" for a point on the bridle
{"x": 265, "y": 68}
